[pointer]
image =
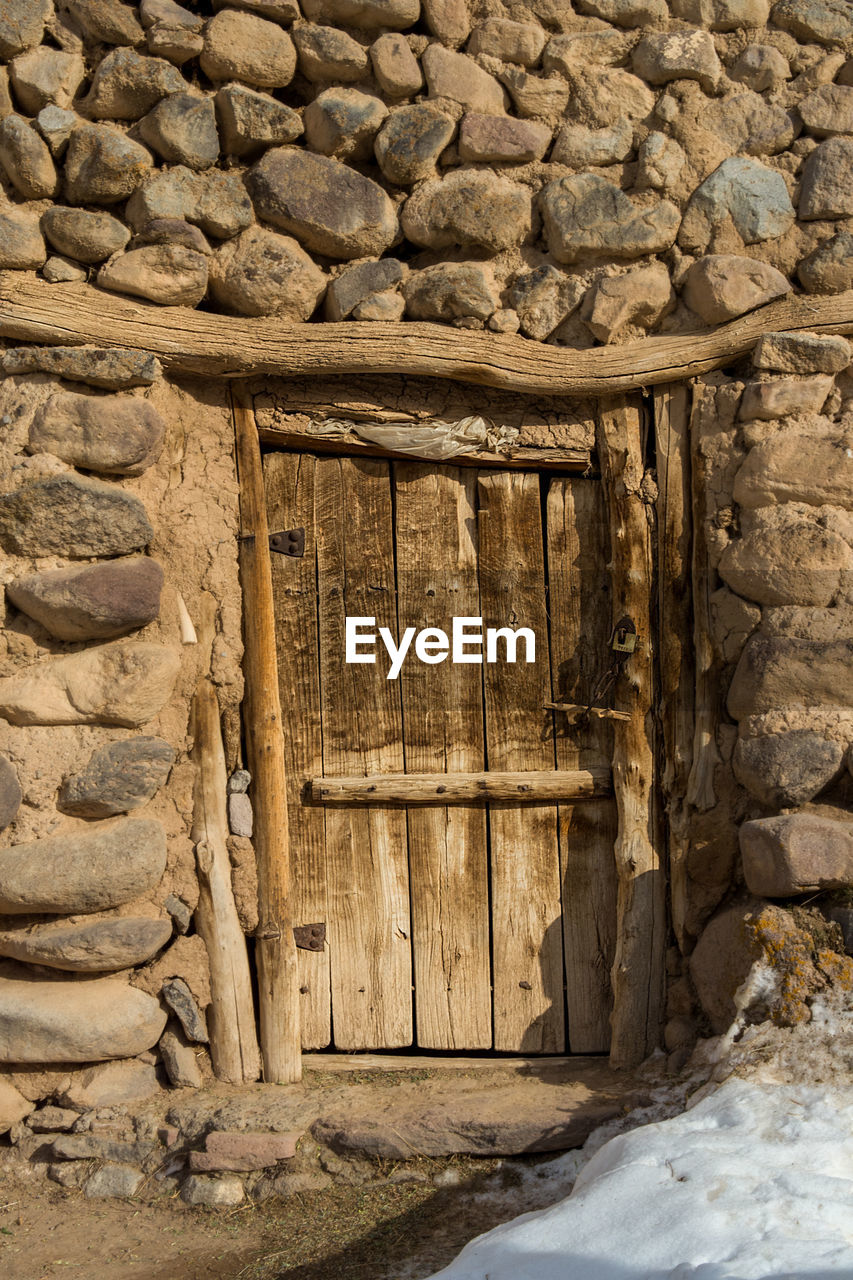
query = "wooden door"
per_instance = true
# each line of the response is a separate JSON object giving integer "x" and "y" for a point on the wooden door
{"x": 458, "y": 926}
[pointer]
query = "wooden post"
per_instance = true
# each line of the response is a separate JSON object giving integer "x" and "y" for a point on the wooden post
{"x": 675, "y": 627}
{"x": 275, "y": 950}
{"x": 233, "y": 1042}
{"x": 638, "y": 967}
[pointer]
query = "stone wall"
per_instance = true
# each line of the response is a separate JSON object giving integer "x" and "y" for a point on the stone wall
{"x": 582, "y": 174}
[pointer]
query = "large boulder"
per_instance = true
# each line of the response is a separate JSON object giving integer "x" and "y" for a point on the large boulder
{"x": 829, "y": 267}
{"x": 343, "y": 122}
{"x": 83, "y": 871}
{"x": 797, "y": 853}
{"x": 83, "y": 1020}
{"x": 92, "y": 946}
{"x": 250, "y": 122}
{"x": 22, "y": 25}
{"x": 678, "y": 55}
{"x": 787, "y": 557}
{"x": 796, "y": 468}
{"x": 450, "y": 291}
{"x": 776, "y": 670}
{"x": 640, "y": 298}
{"x": 94, "y": 601}
{"x": 469, "y": 209}
{"x": 586, "y": 216}
{"x": 70, "y": 515}
{"x": 111, "y": 434}
{"x": 329, "y": 207}
{"x": 126, "y": 85}
{"x": 460, "y": 79}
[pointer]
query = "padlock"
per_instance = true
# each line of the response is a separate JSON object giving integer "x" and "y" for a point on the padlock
{"x": 624, "y": 637}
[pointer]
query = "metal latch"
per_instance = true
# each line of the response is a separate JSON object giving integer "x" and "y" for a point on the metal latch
{"x": 624, "y": 637}
{"x": 310, "y": 937}
{"x": 290, "y": 542}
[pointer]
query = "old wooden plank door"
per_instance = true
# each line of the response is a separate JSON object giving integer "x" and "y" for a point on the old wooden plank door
{"x": 459, "y": 926}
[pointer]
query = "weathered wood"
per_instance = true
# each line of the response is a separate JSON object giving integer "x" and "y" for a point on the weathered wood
{"x": 231, "y": 1019}
{"x": 435, "y": 508}
{"x": 676, "y": 662}
{"x": 521, "y": 458}
{"x": 527, "y": 786}
{"x": 290, "y": 504}
{"x": 196, "y": 342}
{"x": 525, "y": 868}
{"x": 275, "y": 951}
{"x": 579, "y": 596}
{"x": 367, "y": 874}
{"x": 579, "y": 711}
{"x": 640, "y": 941}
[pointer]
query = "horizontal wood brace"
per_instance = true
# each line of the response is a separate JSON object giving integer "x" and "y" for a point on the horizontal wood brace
{"x": 535, "y": 786}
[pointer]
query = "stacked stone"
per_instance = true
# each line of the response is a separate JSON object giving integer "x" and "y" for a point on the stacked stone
{"x": 69, "y": 932}
{"x": 636, "y": 165}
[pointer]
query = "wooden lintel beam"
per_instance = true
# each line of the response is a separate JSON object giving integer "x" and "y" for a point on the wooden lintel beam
{"x": 537, "y": 786}
{"x": 197, "y": 342}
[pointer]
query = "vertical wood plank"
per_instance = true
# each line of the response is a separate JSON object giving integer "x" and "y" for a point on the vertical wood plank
{"x": 579, "y": 595}
{"x": 443, "y": 732}
{"x": 638, "y": 968}
{"x": 275, "y": 951}
{"x": 367, "y": 873}
{"x": 677, "y": 666}
{"x": 525, "y": 874}
{"x": 289, "y": 480}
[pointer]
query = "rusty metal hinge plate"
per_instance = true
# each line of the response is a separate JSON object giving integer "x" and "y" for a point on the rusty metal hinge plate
{"x": 310, "y": 937}
{"x": 288, "y": 542}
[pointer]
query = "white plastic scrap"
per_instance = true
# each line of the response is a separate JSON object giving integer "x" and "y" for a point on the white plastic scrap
{"x": 437, "y": 439}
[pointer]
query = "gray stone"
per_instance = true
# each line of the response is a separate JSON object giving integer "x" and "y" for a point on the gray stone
{"x": 261, "y": 273}
{"x": 181, "y": 1001}
{"x": 26, "y": 159}
{"x": 114, "y": 435}
{"x": 181, "y": 914}
{"x": 469, "y": 209}
{"x": 723, "y": 15}
{"x": 451, "y": 290}
{"x": 828, "y": 111}
{"x": 111, "y": 1181}
{"x": 10, "y": 792}
{"x": 242, "y": 46}
{"x": 459, "y": 78}
{"x": 579, "y": 147}
{"x": 721, "y": 286}
{"x": 179, "y": 1060}
{"x": 169, "y": 274}
{"x": 241, "y": 779}
{"x": 760, "y": 67}
{"x": 784, "y": 397}
{"x": 828, "y": 21}
{"x": 68, "y": 515}
{"x": 112, "y": 368}
{"x": 250, "y": 122}
{"x": 55, "y": 126}
{"x": 92, "y": 1146}
{"x": 518, "y": 42}
{"x": 795, "y": 468}
{"x": 81, "y": 1020}
{"x": 829, "y": 267}
{"x": 787, "y": 558}
{"x": 83, "y": 235}
{"x": 367, "y": 15}
{"x": 395, "y": 66}
{"x": 212, "y": 1192}
{"x": 410, "y": 142}
{"x": 182, "y": 129}
{"x": 126, "y": 85}
{"x": 501, "y": 140}
{"x": 62, "y": 270}
{"x": 343, "y": 123}
{"x": 95, "y": 602}
{"x": 826, "y": 190}
{"x": 543, "y": 299}
{"x": 118, "y": 777}
{"x": 14, "y": 1107}
{"x": 110, "y": 1084}
{"x": 119, "y": 684}
{"x": 282, "y": 11}
{"x": 535, "y": 96}
{"x": 776, "y": 670}
{"x": 349, "y": 290}
{"x": 748, "y": 124}
{"x": 329, "y": 207}
{"x": 786, "y": 769}
{"x": 102, "y": 165}
{"x": 627, "y": 13}
{"x": 640, "y": 298}
{"x": 802, "y": 353}
{"x": 215, "y": 201}
{"x": 740, "y": 193}
{"x": 107, "y": 21}
{"x": 796, "y": 853}
{"x": 240, "y": 815}
{"x": 96, "y": 946}
{"x": 678, "y": 55}
{"x": 51, "y": 1119}
{"x": 324, "y": 53}
{"x": 587, "y": 217}
{"x": 22, "y": 24}
{"x": 21, "y": 244}
{"x": 70, "y": 1173}
{"x": 46, "y": 75}
{"x": 83, "y": 871}
{"x": 172, "y": 231}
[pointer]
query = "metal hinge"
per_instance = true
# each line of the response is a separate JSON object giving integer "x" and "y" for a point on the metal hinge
{"x": 310, "y": 937}
{"x": 289, "y": 542}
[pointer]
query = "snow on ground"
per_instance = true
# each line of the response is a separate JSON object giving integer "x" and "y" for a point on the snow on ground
{"x": 754, "y": 1181}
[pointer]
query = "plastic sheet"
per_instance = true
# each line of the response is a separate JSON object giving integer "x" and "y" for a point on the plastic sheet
{"x": 437, "y": 439}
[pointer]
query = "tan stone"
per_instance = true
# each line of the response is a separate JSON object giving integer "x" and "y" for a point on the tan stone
{"x": 536, "y": 96}
{"x": 784, "y": 397}
{"x": 639, "y": 298}
{"x": 518, "y": 42}
{"x": 395, "y": 66}
{"x": 459, "y": 78}
{"x": 26, "y": 159}
{"x": 91, "y": 946}
{"x": 775, "y": 670}
{"x": 796, "y": 468}
{"x": 45, "y": 75}
{"x": 787, "y": 558}
{"x": 469, "y": 209}
{"x": 169, "y": 274}
{"x": 116, "y": 435}
{"x": 13, "y": 1106}
{"x": 721, "y": 286}
{"x": 797, "y": 853}
{"x": 501, "y": 140}
{"x": 261, "y": 273}
{"x": 242, "y": 46}
{"x": 802, "y": 353}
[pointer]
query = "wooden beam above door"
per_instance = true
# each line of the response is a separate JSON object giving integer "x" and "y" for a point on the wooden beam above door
{"x": 536, "y": 786}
